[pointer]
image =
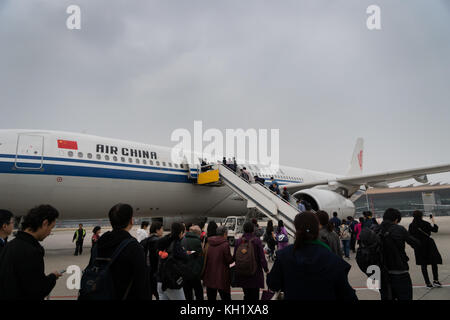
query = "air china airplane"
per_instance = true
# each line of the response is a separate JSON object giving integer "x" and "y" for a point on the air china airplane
{"x": 83, "y": 176}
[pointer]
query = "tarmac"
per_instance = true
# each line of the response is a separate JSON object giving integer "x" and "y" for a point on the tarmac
{"x": 60, "y": 254}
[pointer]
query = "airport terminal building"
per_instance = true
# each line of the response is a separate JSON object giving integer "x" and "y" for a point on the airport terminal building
{"x": 430, "y": 199}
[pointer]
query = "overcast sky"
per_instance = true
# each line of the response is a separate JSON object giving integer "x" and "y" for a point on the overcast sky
{"x": 138, "y": 70}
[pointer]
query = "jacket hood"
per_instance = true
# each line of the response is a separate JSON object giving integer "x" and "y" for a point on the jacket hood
{"x": 216, "y": 241}
{"x": 112, "y": 239}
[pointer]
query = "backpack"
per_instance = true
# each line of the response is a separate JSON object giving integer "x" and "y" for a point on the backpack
{"x": 345, "y": 233}
{"x": 246, "y": 265}
{"x": 173, "y": 272}
{"x": 281, "y": 237}
{"x": 96, "y": 281}
{"x": 371, "y": 249}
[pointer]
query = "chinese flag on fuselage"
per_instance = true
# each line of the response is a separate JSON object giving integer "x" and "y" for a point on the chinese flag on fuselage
{"x": 67, "y": 144}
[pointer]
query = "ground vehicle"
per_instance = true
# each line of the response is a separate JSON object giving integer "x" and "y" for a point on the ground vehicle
{"x": 234, "y": 225}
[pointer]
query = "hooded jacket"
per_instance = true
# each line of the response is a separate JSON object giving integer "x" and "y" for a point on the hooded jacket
{"x": 129, "y": 267}
{"x": 217, "y": 264}
{"x": 22, "y": 270}
{"x": 312, "y": 272}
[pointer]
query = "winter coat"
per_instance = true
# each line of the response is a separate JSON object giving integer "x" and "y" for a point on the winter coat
{"x": 427, "y": 252}
{"x": 332, "y": 240}
{"x": 358, "y": 228}
{"x": 312, "y": 272}
{"x": 151, "y": 254}
{"x": 257, "y": 280}
{"x": 129, "y": 266}
{"x": 192, "y": 242}
{"x": 22, "y": 270}
{"x": 395, "y": 258}
{"x": 217, "y": 264}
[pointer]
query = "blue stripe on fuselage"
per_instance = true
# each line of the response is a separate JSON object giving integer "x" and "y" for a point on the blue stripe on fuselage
{"x": 97, "y": 172}
{"x": 93, "y": 172}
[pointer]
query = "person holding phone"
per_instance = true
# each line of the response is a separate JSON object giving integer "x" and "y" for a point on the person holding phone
{"x": 427, "y": 253}
{"x": 22, "y": 260}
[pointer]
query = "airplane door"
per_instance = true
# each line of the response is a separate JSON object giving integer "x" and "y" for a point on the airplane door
{"x": 29, "y": 152}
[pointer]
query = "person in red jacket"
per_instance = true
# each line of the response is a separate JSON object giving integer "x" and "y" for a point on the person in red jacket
{"x": 358, "y": 228}
{"x": 216, "y": 276}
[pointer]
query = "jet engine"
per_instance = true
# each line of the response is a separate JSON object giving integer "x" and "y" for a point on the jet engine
{"x": 328, "y": 201}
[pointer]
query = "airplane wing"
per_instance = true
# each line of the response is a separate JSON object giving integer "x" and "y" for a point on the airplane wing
{"x": 374, "y": 180}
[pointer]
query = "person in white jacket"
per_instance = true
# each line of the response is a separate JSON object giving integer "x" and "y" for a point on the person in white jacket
{"x": 142, "y": 233}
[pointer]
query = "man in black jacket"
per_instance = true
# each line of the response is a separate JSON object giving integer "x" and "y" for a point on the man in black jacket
{"x": 6, "y": 226}
{"x": 22, "y": 260}
{"x": 151, "y": 255}
{"x": 128, "y": 271}
{"x": 395, "y": 281}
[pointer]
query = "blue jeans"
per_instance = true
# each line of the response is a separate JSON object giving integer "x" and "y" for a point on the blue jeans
{"x": 346, "y": 248}
{"x": 170, "y": 294}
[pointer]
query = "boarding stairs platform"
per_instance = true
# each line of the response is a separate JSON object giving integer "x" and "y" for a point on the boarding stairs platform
{"x": 258, "y": 196}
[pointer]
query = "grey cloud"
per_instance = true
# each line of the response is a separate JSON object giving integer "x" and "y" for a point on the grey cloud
{"x": 140, "y": 69}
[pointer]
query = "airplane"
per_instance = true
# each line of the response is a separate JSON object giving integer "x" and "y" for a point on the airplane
{"x": 83, "y": 176}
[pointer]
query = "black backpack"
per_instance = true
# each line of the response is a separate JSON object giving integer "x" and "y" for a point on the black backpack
{"x": 173, "y": 272}
{"x": 96, "y": 281}
{"x": 371, "y": 250}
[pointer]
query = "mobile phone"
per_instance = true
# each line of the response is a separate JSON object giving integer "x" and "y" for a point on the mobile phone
{"x": 431, "y": 216}
{"x": 62, "y": 271}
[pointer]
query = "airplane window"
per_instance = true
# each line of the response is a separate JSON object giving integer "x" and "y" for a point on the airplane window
{"x": 130, "y": 160}
{"x": 157, "y": 163}
{"x": 122, "y": 159}
{"x": 144, "y": 161}
{"x": 98, "y": 156}
{"x": 181, "y": 165}
{"x": 106, "y": 157}
{"x": 89, "y": 155}
{"x": 115, "y": 158}
{"x": 164, "y": 164}
{"x": 170, "y": 164}
{"x": 70, "y": 154}
{"x": 150, "y": 162}
{"x": 80, "y": 154}
{"x": 176, "y": 165}
{"x": 137, "y": 161}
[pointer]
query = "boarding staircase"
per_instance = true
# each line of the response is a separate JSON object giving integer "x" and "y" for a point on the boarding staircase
{"x": 258, "y": 196}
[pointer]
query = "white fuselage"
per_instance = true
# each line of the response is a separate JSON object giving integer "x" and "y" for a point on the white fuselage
{"x": 43, "y": 167}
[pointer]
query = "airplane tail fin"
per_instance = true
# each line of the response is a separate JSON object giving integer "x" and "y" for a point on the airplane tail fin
{"x": 356, "y": 163}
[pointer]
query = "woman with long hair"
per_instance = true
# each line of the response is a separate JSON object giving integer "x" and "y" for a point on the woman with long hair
{"x": 170, "y": 245}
